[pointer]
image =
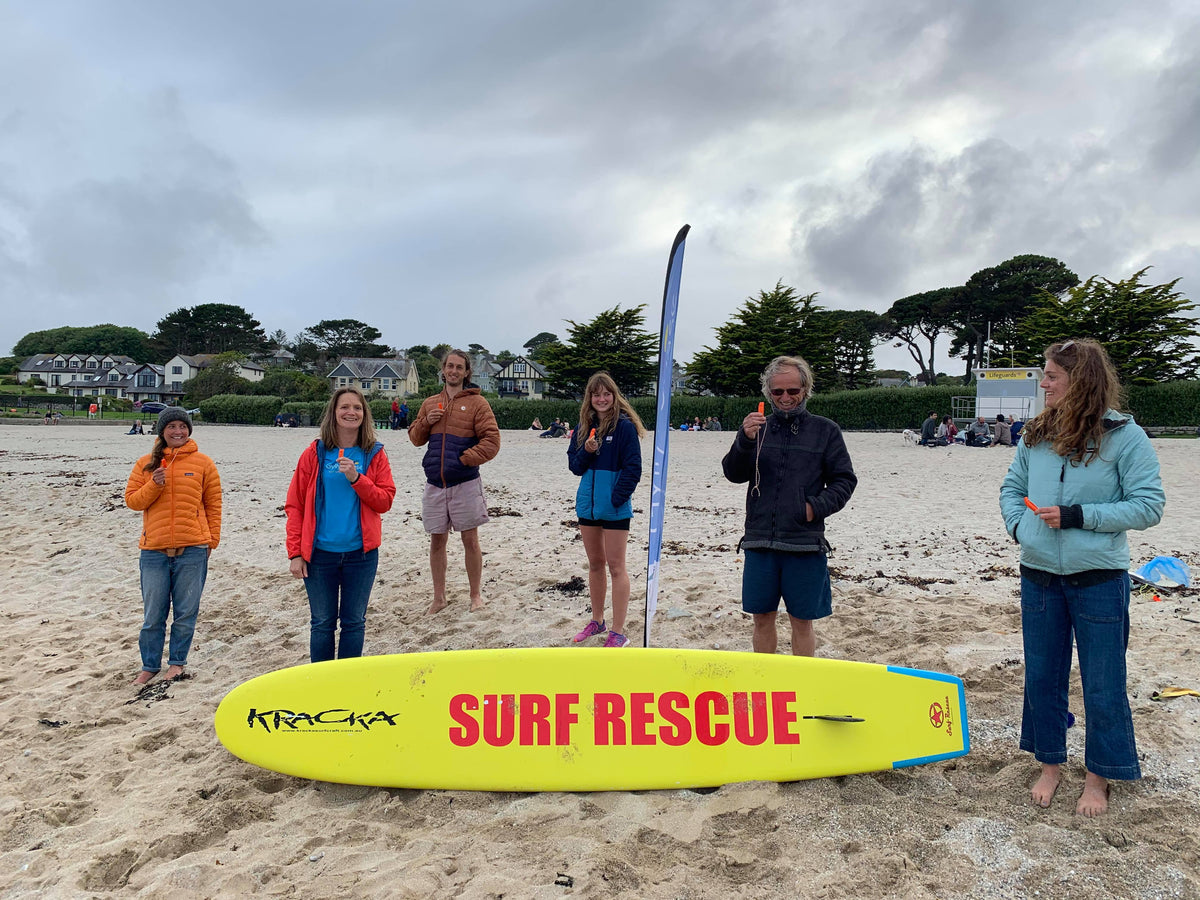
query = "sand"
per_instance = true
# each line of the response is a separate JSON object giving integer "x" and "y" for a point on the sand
{"x": 107, "y": 795}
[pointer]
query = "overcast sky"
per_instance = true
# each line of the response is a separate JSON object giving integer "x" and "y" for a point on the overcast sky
{"x": 482, "y": 171}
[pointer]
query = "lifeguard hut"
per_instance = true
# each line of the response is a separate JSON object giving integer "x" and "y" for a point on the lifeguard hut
{"x": 1016, "y": 393}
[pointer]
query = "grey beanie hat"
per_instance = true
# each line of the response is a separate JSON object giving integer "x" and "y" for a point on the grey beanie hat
{"x": 173, "y": 414}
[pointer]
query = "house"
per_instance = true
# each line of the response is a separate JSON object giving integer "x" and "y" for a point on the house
{"x": 57, "y": 370}
{"x": 485, "y": 373}
{"x": 131, "y": 381}
{"x": 387, "y": 377}
{"x": 522, "y": 379}
{"x": 181, "y": 369}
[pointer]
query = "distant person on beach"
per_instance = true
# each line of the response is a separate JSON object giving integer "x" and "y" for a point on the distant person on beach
{"x": 798, "y": 473}
{"x": 178, "y": 491}
{"x": 929, "y": 429}
{"x": 403, "y": 414}
{"x": 461, "y": 431}
{"x": 1100, "y": 471}
{"x": 978, "y": 433}
{"x": 536, "y": 425}
{"x": 1003, "y": 432}
{"x": 136, "y": 428}
{"x": 947, "y": 431}
{"x": 341, "y": 487}
{"x": 606, "y": 456}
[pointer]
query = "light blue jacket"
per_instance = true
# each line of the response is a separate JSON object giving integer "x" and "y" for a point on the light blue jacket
{"x": 1120, "y": 489}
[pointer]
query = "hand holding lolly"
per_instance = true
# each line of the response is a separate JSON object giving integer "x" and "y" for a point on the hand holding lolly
{"x": 1031, "y": 505}
{"x": 762, "y": 408}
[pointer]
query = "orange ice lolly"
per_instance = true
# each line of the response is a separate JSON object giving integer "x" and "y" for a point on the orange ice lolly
{"x": 762, "y": 408}
{"x": 1031, "y": 505}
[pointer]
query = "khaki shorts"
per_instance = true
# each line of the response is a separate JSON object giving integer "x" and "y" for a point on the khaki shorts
{"x": 459, "y": 507}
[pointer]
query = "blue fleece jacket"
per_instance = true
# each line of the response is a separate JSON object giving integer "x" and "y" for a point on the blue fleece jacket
{"x": 1119, "y": 490}
{"x": 608, "y": 478}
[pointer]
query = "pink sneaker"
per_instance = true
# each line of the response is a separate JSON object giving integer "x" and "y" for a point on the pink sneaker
{"x": 593, "y": 628}
{"x": 616, "y": 640}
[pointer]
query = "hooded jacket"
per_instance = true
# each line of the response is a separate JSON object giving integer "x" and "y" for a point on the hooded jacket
{"x": 374, "y": 488}
{"x": 607, "y": 478}
{"x": 466, "y": 437}
{"x": 185, "y": 511}
{"x": 802, "y": 459}
{"x": 1120, "y": 489}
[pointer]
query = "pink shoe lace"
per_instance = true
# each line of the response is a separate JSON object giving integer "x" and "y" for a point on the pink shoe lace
{"x": 593, "y": 628}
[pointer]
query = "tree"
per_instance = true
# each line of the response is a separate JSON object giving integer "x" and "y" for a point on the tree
{"x": 119, "y": 340}
{"x": 917, "y": 318}
{"x": 852, "y": 336}
{"x": 427, "y": 366}
{"x": 209, "y": 328}
{"x": 613, "y": 341}
{"x": 291, "y": 384}
{"x": 1144, "y": 328}
{"x": 346, "y": 337}
{"x": 220, "y": 376}
{"x": 534, "y": 345}
{"x": 773, "y": 324}
{"x": 504, "y": 357}
{"x": 1000, "y": 297}
{"x": 278, "y": 340}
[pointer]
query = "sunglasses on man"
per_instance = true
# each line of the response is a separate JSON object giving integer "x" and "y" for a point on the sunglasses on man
{"x": 779, "y": 392}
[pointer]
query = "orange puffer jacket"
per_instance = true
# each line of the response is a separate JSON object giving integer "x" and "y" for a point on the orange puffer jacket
{"x": 183, "y": 512}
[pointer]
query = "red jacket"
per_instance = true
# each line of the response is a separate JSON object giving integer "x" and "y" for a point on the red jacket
{"x": 374, "y": 487}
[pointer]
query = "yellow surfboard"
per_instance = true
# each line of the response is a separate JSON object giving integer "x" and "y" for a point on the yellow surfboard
{"x": 572, "y": 719}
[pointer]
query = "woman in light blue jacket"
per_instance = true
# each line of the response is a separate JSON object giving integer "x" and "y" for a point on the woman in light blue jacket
{"x": 1083, "y": 475}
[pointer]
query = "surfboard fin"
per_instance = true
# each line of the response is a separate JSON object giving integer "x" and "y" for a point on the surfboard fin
{"x": 837, "y": 718}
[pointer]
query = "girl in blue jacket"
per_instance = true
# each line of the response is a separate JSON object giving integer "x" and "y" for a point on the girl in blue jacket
{"x": 607, "y": 457}
{"x": 1089, "y": 474}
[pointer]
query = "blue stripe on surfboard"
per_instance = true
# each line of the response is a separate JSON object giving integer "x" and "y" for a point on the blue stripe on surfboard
{"x": 921, "y": 760}
{"x": 962, "y": 715}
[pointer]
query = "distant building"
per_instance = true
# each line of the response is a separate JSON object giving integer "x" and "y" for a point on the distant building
{"x": 388, "y": 377}
{"x": 180, "y": 369}
{"x": 521, "y": 379}
{"x": 57, "y": 370}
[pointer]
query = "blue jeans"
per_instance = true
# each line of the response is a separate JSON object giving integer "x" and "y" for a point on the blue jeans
{"x": 170, "y": 582}
{"x": 351, "y": 575}
{"x": 1098, "y": 617}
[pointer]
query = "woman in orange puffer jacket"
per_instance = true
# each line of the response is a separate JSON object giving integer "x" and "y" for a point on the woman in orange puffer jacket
{"x": 178, "y": 491}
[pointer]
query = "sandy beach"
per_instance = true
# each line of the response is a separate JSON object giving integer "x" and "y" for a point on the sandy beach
{"x": 105, "y": 794}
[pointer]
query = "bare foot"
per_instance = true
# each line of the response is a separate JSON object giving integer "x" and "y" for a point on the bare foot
{"x": 174, "y": 672}
{"x": 437, "y": 606}
{"x": 1047, "y": 784}
{"x": 476, "y": 604}
{"x": 1094, "y": 799}
{"x": 143, "y": 677}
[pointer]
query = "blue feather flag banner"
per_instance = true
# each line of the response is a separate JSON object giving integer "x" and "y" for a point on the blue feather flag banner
{"x": 662, "y": 424}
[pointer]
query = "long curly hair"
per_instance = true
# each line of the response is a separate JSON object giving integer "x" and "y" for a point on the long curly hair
{"x": 605, "y": 424}
{"x": 1075, "y": 424}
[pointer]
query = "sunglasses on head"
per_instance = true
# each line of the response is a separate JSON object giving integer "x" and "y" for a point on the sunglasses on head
{"x": 779, "y": 392}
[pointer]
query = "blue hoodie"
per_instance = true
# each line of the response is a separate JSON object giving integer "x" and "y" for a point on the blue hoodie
{"x": 608, "y": 478}
{"x": 1119, "y": 490}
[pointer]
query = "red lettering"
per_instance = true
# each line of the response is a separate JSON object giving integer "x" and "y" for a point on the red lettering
{"x": 535, "y": 711}
{"x": 678, "y": 730}
{"x": 709, "y": 704}
{"x": 564, "y": 717}
{"x": 641, "y": 718}
{"x": 608, "y": 710}
{"x": 743, "y": 706}
{"x": 499, "y": 719}
{"x": 468, "y": 733}
{"x": 782, "y": 717}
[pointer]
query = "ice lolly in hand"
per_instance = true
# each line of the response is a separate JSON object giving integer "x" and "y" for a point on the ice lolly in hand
{"x": 592, "y": 436}
{"x": 439, "y": 404}
{"x": 762, "y": 408}
{"x": 341, "y": 452}
{"x": 1031, "y": 505}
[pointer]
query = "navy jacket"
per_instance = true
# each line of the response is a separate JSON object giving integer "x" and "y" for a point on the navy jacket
{"x": 803, "y": 459}
{"x": 608, "y": 478}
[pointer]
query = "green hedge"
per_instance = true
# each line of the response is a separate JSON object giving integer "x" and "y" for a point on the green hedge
{"x": 239, "y": 409}
{"x": 1174, "y": 404}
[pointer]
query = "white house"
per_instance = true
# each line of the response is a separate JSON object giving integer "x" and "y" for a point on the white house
{"x": 57, "y": 370}
{"x": 522, "y": 378}
{"x": 387, "y": 377}
{"x": 181, "y": 369}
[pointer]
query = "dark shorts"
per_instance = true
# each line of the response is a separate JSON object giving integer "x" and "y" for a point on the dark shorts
{"x": 606, "y": 524}
{"x": 801, "y": 579}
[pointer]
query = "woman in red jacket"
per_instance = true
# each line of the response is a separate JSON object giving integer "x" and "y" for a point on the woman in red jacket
{"x": 342, "y": 484}
{"x": 178, "y": 492}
